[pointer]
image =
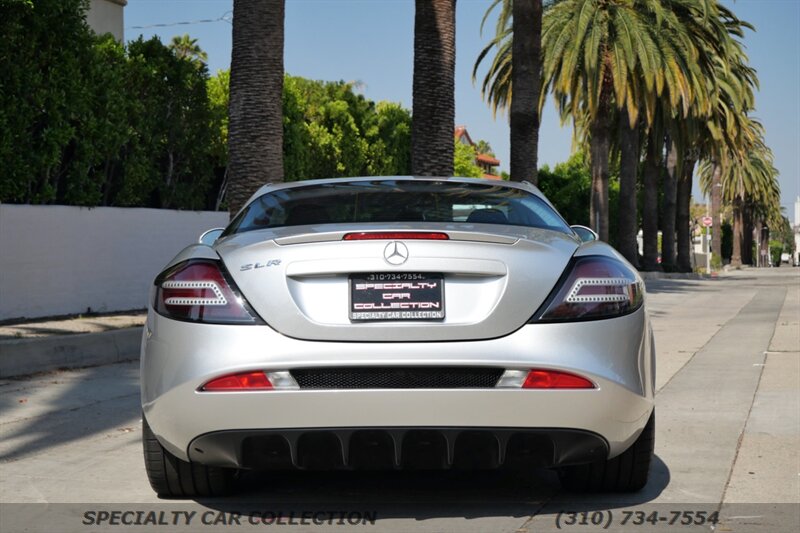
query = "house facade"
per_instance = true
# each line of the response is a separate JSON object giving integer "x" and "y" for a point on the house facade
{"x": 106, "y": 16}
{"x": 487, "y": 162}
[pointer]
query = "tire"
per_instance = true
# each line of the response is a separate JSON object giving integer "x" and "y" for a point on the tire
{"x": 626, "y": 472}
{"x": 171, "y": 477}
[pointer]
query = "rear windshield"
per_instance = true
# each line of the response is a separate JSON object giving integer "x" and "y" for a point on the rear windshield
{"x": 397, "y": 201}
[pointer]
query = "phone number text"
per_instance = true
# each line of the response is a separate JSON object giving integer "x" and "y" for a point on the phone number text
{"x": 605, "y": 519}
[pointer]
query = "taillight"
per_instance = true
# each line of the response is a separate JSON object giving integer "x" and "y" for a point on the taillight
{"x": 540, "y": 378}
{"x": 396, "y": 236}
{"x": 553, "y": 379}
{"x": 199, "y": 291}
{"x": 238, "y": 382}
{"x": 251, "y": 380}
{"x": 596, "y": 287}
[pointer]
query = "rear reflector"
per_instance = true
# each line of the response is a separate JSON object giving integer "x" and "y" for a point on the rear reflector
{"x": 553, "y": 379}
{"x": 396, "y": 235}
{"x": 244, "y": 381}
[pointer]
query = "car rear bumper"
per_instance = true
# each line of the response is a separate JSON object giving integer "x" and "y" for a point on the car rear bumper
{"x": 396, "y": 448}
{"x": 178, "y": 357}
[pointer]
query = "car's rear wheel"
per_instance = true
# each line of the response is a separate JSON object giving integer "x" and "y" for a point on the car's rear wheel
{"x": 626, "y": 472}
{"x": 175, "y": 478}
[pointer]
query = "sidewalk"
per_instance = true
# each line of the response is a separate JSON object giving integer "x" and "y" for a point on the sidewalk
{"x": 72, "y": 325}
{"x": 72, "y": 342}
{"x": 767, "y": 466}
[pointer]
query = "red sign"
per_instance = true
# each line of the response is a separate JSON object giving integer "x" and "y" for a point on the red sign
{"x": 708, "y": 222}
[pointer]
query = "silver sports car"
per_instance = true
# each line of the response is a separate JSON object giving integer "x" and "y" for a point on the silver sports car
{"x": 397, "y": 322}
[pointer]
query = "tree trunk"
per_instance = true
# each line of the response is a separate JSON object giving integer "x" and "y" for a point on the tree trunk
{"x": 628, "y": 169}
{"x": 255, "y": 130}
{"x": 683, "y": 216}
{"x": 716, "y": 205}
{"x": 764, "y": 248}
{"x": 736, "y": 255}
{"x": 652, "y": 170}
{"x": 526, "y": 81}
{"x": 599, "y": 150}
{"x": 747, "y": 235}
{"x": 668, "y": 222}
{"x": 758, "y": 227}
{"x": 433, "y": 113}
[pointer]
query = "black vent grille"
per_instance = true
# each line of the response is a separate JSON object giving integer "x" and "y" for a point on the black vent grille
{"x": 397, "y": 378}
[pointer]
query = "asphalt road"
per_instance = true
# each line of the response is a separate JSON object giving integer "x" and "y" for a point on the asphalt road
{"x": 727, "y": 441}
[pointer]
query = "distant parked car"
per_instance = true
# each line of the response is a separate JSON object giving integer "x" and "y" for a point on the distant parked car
{"x": 397, "y": 322}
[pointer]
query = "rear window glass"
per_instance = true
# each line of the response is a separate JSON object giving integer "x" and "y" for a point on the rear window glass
{"x": 397, "y": 201}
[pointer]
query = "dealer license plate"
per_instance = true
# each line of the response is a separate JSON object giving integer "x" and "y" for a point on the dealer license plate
{"x": 397, "y": 296}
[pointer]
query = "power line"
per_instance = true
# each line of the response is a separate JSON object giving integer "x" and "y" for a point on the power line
{"x": 226, "y": 17}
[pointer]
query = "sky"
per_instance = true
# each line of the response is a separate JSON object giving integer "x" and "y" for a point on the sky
{"x": 371, "y": 42}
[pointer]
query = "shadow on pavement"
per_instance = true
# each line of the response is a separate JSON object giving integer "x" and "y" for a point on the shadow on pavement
{"x": 55, "y": 409}
{"x": 657, "y": 286}
{"x": 424, "y": 495}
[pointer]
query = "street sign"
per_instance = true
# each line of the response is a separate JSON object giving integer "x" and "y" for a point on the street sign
{"x": 708, "y": 221}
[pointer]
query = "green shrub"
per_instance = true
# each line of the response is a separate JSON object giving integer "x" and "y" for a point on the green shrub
{"x": 775, "y": 251}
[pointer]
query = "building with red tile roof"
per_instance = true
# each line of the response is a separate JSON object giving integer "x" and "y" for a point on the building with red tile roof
{"x": 487, "y": 162}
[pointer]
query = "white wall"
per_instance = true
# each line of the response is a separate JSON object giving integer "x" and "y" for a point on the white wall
{"x": 797, "y": 245}
{"x": 107, "y": 16}
{"x": 58, "y": 260}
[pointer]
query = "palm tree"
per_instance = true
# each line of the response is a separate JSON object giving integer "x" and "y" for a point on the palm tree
{"x": 496, "y": 87}
{"x": 433, "y": 101}
{"x": 650, "y": 185}
{"x": 526, "y": 77}
{"x": 185, "y": 47}
{"x": 683, "y": 221}
{"x": 483, "y": 147}
{"x": 703, "y": 24}
{"x": 629, "y": 140}
{"x": 722, "y": 132}
{"x": 602, "y": 56}
{"x": 713, "y": 30}
{"x": 706, "y": 132}
{"x": 652, "y": 64}
{"x": 749, "y": 179}
{"x": 766, "y": 213}
{"x": 716, "y": 211}
{"x": 518, "y": 62}
{"x": 669, "y": 204}
{"x": 727, "y": 129}
{"x": 255, "y": 131}
{"x": 753, "y": 181}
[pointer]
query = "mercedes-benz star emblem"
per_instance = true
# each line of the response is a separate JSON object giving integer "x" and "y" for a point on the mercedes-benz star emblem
{"x": 395, "y": 253}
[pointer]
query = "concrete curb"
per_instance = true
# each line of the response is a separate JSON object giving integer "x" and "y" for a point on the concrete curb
{"x": 674, "y": 275}
{"x": 19, "y": 357}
